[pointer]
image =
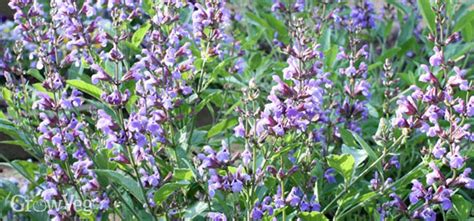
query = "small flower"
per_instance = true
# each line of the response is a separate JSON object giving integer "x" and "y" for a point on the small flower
{"x": 223, "y": 155}
{"x": 216, "y": 216}
{"x": 49, "y": 193}
{"x": 438, "y": 58}
{"x": 294, "y": 197}
{"x": 246, "y": 156}
{"x": 239, "y": 130}
{"x": 329, "y": 175}
{"x": 101, "y": 75}
{"x": 438, "y": 151}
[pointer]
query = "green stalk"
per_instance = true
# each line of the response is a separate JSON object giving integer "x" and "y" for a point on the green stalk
{"x": 346, "y": 188}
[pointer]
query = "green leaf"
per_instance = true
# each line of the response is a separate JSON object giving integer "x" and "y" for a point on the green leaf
{"x": 125, "y": 181}
{"x": 365, "y": 146}
{"x": 166, "y": 190}
{"x": 428, "y": 14}
{"x": 347, "y": 137}
{"x": 14, "y": 142}
{"x": 373, "y": 156}
{"x": 372, "y": 111}
{"x": 138, "y": 36}
{"x": 374, "y": 65}
{"x": 85, "y": 87}
{"x": 344, "y": 164}
{"x": 326, "y": 39}
{"x": 7, "y": 96}
{"x": 463, "y": 21}
{"x": 195, "y": 210}
{"x": 309, "y": 216}
{"x": 358, "y": 154}
{"x": 25, "y": 168}
{"x": 388, "y": 54}
{"x": 148, "y": 7}
{"x": 36, "y": 74}
{"x": 398, "y": 5}
{"x": 462, "y": 207}
{"x": 330, "y": 56}
{"x": 183, "y": 174}
{"x": 255, "y": 61}
{"x": 223, "y": 125}
{"x": 406, "y": 31}
{"x": 40, "y": 88}
{"x": 10, "y": 129}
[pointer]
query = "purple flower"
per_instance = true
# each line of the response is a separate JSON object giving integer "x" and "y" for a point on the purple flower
{"x": 470, "y": 107}
{"x": 443, "y": 195}
{"x": 101, "y": 75}
{"x": 428, "y": 75}
{"x": 294, "y": 197}
{"x": 104, "y": 203}
{"x": 329, "y": 175}
{"x": 435, "y": 175}
{"x": 49, "y": 193}
{"x": 458, "y": 79}
{"x": 375, "y": 182}
{"x": 246, "y": 156}
{"x": 237, "y": 186}
{"x": 438, "y": 58}
{"x": 239, "y": 66}
{"x": 44, "y": 103}
{"x": 465, "y": 180}
{"x": 239, "y": 130}
{"x": 216, "y": 216}
{"x": 455, "y": 160}
{"x": 438, "y": 151}
{"x": 278, "y": 199}
{"x": 428, "y": 214}
{"x": 223, "y": 155}
{"x": 417, "y": 192}
{"x": 257, "y": 213}
{"x": 363, "y": 15}
{"x": 104, "y": 123}
{"x": 74, "y": 100}
{"x": 394, "y": 162}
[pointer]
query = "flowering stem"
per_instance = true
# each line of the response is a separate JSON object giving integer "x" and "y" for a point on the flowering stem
{"x": 132, "y": 160}
{"x": 347, "y": 187}
{"x": 282, "y": 183}
{"x": 124, "y": 201}
{"x": 416, "y": 169}
{"x": 375, "y": 163}
{"x": 198, "y": 91}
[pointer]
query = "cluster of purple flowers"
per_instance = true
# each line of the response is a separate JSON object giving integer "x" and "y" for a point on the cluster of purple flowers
{"x": 297, "y": 6}
{"x": 295, "y": 199}
{"x": 60, "y": 130}
{"x": 297, "y": 101}
{"x": 357, "y": 90}
{"x": 384, "y": 185}
{"x": 437, "y": 111}
{"x": 363, "y": 15}
{"x": 217, "y": 166}
{"x": 210, "y": 22}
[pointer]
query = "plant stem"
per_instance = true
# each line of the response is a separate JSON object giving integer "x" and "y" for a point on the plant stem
{"x": 346, "y": 188}
{"x": 282, "y": 183}
{"x": 387, "y": 188}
